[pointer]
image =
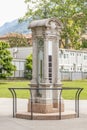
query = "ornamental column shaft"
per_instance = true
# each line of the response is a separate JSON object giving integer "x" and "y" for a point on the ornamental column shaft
{"x": 46, "y": 79}
{"x": 34, "y": 72}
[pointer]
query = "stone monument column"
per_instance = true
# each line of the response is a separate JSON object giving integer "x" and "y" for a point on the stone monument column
{"x": 34, "y": 72}
{"x": 45, "y": 35}
{"x": 46, "y": 78}
{"x": 58, "y": 80}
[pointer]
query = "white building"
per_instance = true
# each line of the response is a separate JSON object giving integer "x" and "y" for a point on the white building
{"x": 73, "y": 60}
{"x": 69, "y": 60}
{"x": 19, "y": 57}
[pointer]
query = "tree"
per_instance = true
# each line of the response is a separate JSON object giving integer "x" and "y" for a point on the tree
{"x": 17, "y": 40}
{"x": 28, "y": 67}
{"x": 72, "y": 13}
{"x": 6, "y": 66}
{"x": 84, "y": 43}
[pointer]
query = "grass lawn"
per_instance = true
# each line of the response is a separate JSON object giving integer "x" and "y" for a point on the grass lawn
{"x": 5, "y": 84}
{"x": 70, "y": 94}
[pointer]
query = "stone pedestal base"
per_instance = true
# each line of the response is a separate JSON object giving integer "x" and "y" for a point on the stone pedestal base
{"x": 45, "y": 100}
{"x": 44, "y": 108}
{"x": 49, "y": 116}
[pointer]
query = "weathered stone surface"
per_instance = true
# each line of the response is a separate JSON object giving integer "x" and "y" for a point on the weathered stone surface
{"x": 45, "y": 23}
{"x": 45, "y": 38}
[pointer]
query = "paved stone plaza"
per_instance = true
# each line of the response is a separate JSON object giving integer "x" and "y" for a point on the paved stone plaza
{"x": 9, "y": 123}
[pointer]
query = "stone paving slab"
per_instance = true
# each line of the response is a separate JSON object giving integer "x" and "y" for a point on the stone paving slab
{"x": 9, "y": 123}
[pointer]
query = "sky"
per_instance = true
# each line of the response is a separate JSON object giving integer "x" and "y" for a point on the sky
{"x": 11, "y": 10}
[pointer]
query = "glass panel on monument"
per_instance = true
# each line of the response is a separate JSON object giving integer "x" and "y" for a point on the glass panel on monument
{"x": 50, "y": 67}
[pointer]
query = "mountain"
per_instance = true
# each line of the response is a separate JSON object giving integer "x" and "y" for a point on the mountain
{"x": 15, "y": 27}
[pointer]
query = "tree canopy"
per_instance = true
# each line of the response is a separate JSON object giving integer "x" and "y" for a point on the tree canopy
{"x": 72, "y": 13}
{"x": 6, "y": 66}
{"x": 17, "y": 40}
{"x": 28, "y": 67}
{"x": 84, "y": 43}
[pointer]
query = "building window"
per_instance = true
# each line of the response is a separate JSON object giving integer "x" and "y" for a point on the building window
{"x": 85, "y": 57}
{"x": 65, "y": 56}
{"x": 60, "y": 55}
{"x": 72, "y": 54}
